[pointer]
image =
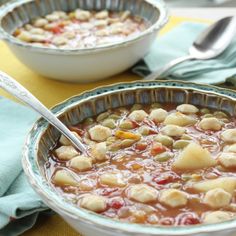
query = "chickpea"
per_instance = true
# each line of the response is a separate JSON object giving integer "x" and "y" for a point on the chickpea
{"x": 180, "y": 144}
{"x": 126, "y": 124}
{"x": 60, "y": 40}
{"x": 187, "y": 108}
{"x": 41, "y": 22}
{"x": 173, "y": 130}
{"x": 136, "y": 107}
{"x": 102, "y": 116}
{"x": 52, "y": 17}
{"x": 102, "y": 15}
{"x": 110, "y": 123}
{"x": 164, "y": 139}
{"x": 25, "y": 36}
{"x": 210, "y": 123}
{"x": 163, "y": 157}
{"x": 82, "y": 15}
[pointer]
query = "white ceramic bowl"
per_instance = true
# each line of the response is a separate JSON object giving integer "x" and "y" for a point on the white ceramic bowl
{"x": 43, "y": 138}
{"x": 81, "y": 65}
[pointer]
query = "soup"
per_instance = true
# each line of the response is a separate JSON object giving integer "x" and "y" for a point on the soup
{"x": 158, "y": 164}
{"x": 81, "y": 29}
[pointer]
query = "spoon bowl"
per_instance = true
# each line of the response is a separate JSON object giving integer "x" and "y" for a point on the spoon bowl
{"x": 209, "y": 44}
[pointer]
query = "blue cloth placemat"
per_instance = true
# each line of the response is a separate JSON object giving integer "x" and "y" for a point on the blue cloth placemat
{"x": 175, "y": 44}
{"x": 19, "y": 204}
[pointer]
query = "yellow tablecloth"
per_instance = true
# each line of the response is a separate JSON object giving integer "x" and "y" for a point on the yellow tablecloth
{"x": 51, "y": 92}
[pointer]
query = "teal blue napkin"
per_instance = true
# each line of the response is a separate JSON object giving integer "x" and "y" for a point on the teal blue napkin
{"x": 175, "y": 44}
{"x": 19, "y": 204}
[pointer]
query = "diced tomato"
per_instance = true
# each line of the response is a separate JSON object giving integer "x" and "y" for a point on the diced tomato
{"x": 75, "y": 21}
{"x": 157, "y": 148}
{"x": 135, "y": 124}
{"x": 188, "y": 219}
{"x": 166, "y": 178}
{"x": 116, "y": 204}
{"x": 61, "y": 25}
{"x": 57, "y": 30}
{"x": 141, "y": 146}
{"x": 161, "y": 181}
{"x": 152, "y": 131}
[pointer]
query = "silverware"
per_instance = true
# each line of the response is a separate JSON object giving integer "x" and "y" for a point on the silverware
{"x": 209, "y": 44}
{"x": 18, "y": 91}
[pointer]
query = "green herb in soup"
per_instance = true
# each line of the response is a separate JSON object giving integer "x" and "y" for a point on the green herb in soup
{"x": 156, "y": 164}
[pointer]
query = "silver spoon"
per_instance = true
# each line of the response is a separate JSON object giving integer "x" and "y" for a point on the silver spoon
{"x": 209, "y": 44}
{"x": 17, "y": 90}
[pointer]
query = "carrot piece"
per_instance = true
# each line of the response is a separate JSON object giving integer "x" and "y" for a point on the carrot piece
{"x": 57, "y": 30}
{"x": 127, "y": 135}
{"x": 157, "y": 148}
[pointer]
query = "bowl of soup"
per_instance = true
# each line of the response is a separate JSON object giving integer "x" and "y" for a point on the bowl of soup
{"x": 161, "y": 160}
{"x": 81, "y": 41}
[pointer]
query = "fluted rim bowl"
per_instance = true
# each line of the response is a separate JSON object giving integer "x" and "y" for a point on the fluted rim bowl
{"x": 42, "y": 137}
{"x": 18, "y": 12}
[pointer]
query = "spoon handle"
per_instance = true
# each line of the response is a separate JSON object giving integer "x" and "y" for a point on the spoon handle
{"x": 160, "y": 73}
{"x": 17, "y": 90}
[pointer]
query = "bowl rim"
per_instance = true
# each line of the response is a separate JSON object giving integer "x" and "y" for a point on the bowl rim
{"x": 157, "y": 5}
{"x": 65, "y": 208}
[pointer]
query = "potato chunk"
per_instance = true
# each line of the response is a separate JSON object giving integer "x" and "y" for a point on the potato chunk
{"x": 226, "y": 183}
{"x": 210, "y": 123}
{"x": 187, "y": 108}
{"x": 173, "y": 197}
{"x": 99, "y": 151}
{"x": 228, "y": 159}
{"x": 194, "y": 157}
{"x": 217, "y": 216}
{"x": 158, "y": 115}
{"x": 66, "y": 153}
{"x": 179, "y": 119}
{"x": 142, "y": 193}
{"x": 99, "y": 133}
{"x": 217, "y": 198}
{"x": 229, "y": 136}
{"x": 138, "y": 115}
{"x": 112, "y": 179}
{"x": 64, "y": 178}
{"x": 93, "y": 203}
{"x": 65, "y": 141}
{"x": 81, "y": 163}
{"x": 173, "y": 130}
